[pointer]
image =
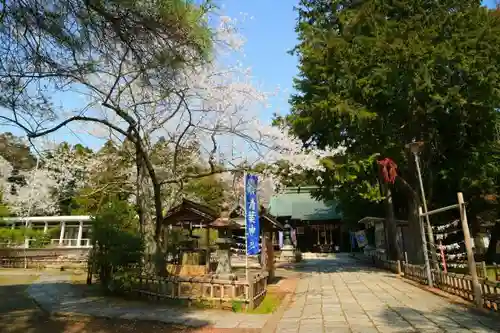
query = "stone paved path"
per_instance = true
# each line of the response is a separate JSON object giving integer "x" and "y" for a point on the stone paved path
{"x": 55, "y": 294}
{"x": 342, "y": 295}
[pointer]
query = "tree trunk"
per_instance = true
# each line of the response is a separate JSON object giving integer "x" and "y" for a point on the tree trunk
{"x": 154, "y": 237}
{"x": 390, "y": 228}
{"x": 491, "y": 253}
{"x": 139, "y": 199}
{"x": 414, "y": 235}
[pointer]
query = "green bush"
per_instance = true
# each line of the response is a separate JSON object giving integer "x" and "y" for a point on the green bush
{"x": 116, "y": 243}
{"x": 16, "y": 237}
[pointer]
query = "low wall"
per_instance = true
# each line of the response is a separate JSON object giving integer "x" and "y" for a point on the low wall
{"x": 217, "y": 292}
{"x": 43, "y": 258}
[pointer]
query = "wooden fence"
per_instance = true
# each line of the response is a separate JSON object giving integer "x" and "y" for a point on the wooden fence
{"x": 453, "y": 283}
{"x": 202, "y": 289}
{"x": 490, "y": 272}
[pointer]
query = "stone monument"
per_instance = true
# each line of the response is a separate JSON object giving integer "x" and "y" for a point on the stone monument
{"x": 288, "y": 251}
{"x": 224, "y": 226}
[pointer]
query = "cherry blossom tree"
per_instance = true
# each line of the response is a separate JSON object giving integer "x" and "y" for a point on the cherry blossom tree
{"x": 126, "y": 93}
{"x": 38, "y": 191}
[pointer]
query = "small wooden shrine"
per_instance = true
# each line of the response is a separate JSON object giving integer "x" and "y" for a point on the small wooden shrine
{"x": 194, "y": 256}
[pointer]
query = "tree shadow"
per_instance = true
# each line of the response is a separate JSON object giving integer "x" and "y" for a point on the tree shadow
{"x": 440, "y": 316}
{"x": 445, "y": 319}
{"x": 342, "y": 263}
{"x": 19, "y": 313}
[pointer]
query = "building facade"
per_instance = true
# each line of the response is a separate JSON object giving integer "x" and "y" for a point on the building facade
{"x": 317, "y": 226}
{"x": 72, "y": 231}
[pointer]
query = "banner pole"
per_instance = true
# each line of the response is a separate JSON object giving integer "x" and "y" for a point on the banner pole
{"x": 246, "y": 225}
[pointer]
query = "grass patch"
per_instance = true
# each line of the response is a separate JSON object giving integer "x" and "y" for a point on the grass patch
{"x": 6, "y": 280}
{"x": 269, "y": 304}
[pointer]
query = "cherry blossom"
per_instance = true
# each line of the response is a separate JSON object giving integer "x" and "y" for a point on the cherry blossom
{"x": 215, "y": 104}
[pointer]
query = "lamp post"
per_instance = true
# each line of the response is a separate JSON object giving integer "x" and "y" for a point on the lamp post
{"x": 416, "y": 148}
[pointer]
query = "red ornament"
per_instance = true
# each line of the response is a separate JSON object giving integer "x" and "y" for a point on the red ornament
{"x": 389, "y": 170}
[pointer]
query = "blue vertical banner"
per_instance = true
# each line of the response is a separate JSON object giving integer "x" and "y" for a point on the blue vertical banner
{"x": 251, "y": 215}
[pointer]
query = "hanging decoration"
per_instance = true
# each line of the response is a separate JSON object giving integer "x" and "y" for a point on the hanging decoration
{"x": 446, "y": 234}
{"x": 453, "y": 246}
{"x": 446, "y": 226}
{"x": 389, "y": 170}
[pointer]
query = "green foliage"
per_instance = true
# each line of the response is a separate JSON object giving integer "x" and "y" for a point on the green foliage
{"x": 16, "y": 152}
{"x": 375, "y": 75}
{"x": 208, "y": 191}
{"x": 117, "y": 243}
{"x": 109, "y": 184}
{"x": 17, "y": 237}
{"x": 4, "y": 210}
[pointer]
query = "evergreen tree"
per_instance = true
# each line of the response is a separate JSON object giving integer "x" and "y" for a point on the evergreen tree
{"x": 376, "y": 75}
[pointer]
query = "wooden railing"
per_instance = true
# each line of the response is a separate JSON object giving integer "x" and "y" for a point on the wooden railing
{"x": 202, "y": 289}
{"x": 490, "y": 272}
{"x": 453, "y": 283}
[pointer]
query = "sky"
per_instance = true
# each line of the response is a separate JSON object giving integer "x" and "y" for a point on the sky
{"x": 269, "y": 31}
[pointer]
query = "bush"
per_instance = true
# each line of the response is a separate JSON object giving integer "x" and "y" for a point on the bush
{"x": 116, "y": 243}
{"x": 17, "y": 237}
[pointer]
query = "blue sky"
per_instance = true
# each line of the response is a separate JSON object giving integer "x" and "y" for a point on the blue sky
{"x": 270, "y": 34}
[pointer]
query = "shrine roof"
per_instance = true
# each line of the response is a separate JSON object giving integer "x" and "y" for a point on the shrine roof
{"x": 190, "y": 211}
{"x": 298, "y": 203}
{"x": 237, "y": 215}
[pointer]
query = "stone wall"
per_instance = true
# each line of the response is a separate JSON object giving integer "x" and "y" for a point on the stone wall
{"x": 43, "y": 258}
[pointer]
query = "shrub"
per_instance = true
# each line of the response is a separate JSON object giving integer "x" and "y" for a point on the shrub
{"x": 116, "y": 243}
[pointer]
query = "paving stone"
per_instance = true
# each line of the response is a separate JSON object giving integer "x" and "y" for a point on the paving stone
{"x": 310, "y": 329}
{"x": 287, "y": 330}
{"x": 348, "y": 295}
{"x": 337, "y": 330}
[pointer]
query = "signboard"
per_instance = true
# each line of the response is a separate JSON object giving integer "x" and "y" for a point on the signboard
{"x": 251, "y": 215}
{"x": 361, "y": 238}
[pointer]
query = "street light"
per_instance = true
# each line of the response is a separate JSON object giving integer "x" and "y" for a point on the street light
{"x": 416, "y": 148}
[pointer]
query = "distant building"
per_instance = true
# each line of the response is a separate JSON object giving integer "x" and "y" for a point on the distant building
{"x": 316, "y": 223}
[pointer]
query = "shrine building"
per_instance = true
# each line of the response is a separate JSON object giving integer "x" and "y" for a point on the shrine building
{"x": 317, "y": 226}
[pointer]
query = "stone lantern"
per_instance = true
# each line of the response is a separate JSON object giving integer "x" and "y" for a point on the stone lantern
{"x": 225, "y": 227}
{"x": 288, "y": 251}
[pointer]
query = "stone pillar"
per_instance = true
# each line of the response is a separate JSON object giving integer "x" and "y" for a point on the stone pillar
{"x": 61, "y": 235}
{"x": 224, "y": 241}
{"x": 79, "y": 237}
{"x": 46, "y": 227}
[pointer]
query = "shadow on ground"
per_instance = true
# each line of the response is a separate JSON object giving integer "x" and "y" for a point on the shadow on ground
{"x": 341, "y": 264}
{"x": 437, "y": 317}
{"x": 19, "y": 314}
{"x": 449, "y": 319}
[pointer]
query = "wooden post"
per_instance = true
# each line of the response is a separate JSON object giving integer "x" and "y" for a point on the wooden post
{"x": 207, "y": 254}
{"x": 424, "y": 248}
{"x": 399, "y": 267}
{"x": 484, "y": 270}
{"x": 478, "y": 299}
{"x": 251, "y": 292}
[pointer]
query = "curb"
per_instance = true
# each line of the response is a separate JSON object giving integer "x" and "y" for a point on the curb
{"x": 272, "y": 323}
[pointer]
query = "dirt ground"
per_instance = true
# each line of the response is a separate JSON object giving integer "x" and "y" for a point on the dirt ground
{"x": 19, "y": 314}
